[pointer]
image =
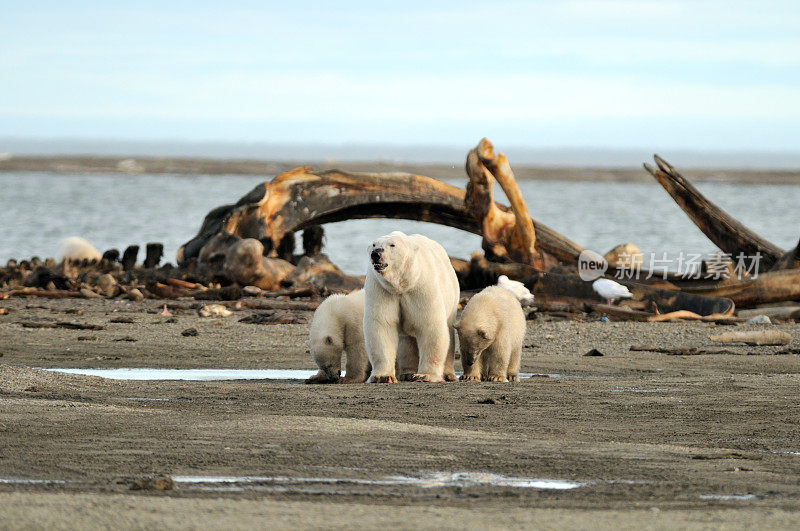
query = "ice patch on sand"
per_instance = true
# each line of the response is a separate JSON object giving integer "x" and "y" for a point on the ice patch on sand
{"x": 740, "y": 497}
{"x": 198, "y": 375}
{"x": 211, "y": 375}
{"x": 431, "y": 480}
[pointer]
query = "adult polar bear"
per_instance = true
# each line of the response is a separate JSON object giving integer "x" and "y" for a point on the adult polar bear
{"x": 411, "y": 302}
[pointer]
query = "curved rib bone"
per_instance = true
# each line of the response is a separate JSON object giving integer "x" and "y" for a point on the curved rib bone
{"x": 719, "y": 226}
{"x": 301, "y": 197}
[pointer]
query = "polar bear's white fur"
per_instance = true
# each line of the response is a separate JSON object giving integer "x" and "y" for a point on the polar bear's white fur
{"x": 411, "y": 302}
{"x": 76, "y": 248}
{"x": 336, "y": 327}
{"x": 491, "y": 332}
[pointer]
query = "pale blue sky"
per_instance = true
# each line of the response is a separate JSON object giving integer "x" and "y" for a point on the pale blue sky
{"x": 660, "y": 75}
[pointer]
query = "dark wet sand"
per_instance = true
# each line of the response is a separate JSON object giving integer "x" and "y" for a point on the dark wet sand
{"x": 86, "y": 164}
{"x": 650, "y": 435}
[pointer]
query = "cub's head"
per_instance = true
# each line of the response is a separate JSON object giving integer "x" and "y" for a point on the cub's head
{"x": 327, "y": 353}
{"x": 473, "y": 340}
{"x": 391, "y": 255}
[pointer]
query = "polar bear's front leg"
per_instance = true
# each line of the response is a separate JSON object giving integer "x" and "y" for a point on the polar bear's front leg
{"x": 472, "y": 373}
{"x": 381, "y": 343}
{"x": 320, "y": 378}
{"x": 407, "y": 358}
{"x": 381, "y": 330}
{"x": 499, "y": 356}
{"x": 513, "y": 364}
{"x": 358, "y": 367}
{"x": 449, "y": 372}
{"x": 433, "y": 342}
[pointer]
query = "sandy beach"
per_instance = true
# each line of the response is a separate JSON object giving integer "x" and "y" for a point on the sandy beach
{"x": 186, "y": 187}
{"x": 632, "y": 438}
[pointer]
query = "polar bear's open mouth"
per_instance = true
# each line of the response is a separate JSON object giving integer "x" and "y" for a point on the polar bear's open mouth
{"x": 380, "y": 266}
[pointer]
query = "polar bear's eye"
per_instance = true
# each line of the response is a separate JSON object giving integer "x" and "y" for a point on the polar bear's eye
{"x": 391, "y": 245}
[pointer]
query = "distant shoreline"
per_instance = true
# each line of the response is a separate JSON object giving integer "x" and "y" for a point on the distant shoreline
{"x": 212, "y": 166}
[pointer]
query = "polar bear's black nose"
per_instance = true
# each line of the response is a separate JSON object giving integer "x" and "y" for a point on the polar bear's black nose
{"x": 376, "y": 254}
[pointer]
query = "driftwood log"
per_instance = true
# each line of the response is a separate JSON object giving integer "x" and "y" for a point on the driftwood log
{"x": 773, "y": 286}
{"x": 719, "y": 226}
{"x": 507, "y": 236}
{"x": 302, "y": 197}
{"x": 153, "y": 254}
{"x": 514, "y": 244}
{"x": 790, "y": 260}
{"x": 129, "y": 257}
{"x": 550, "y": 288}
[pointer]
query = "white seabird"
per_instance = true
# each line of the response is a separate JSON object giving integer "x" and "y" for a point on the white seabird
{"x": 610, "y": 290}
{"x": 523, "y": 295}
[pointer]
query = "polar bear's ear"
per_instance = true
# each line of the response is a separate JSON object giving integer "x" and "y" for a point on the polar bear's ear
{"x": 328, "y": 340}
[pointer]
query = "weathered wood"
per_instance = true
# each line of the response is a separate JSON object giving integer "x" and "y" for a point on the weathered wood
{"x": 48, "y": 294}
{"x": 679, "y": 314}
{"x": 153, "y": 254}
{"x": 245, "y": 263}
{"x": 719, "y": 226}
{"x": 62, "y": 324}
{"x": 266, "y": 304}
{"x": 303, "y": 291}
{"x": 42, "y": 277}
{"x": 506, "y": 235}
{"x": 496, "y": 224}
{"x": 554, "y": 287}
{"x": 683, "y": 351}
{"x": 622, "y": 313}
{"x": 301, "y": 198}
{"x": 163, "y": 291}
{"x": 178, "y": 283}
{"x": 129, "y": 257}
{"x": 773, "y": 312}
{"x": 79, "y": 326}
{"x": 774, "y": 286}
{"x": 227, "y": 293}
{"x": 313, "y": 239}
{"x": 323, "y": 275}
{"x": 112, "y": 255}
{"x": 754, "y": 337}
{"x": 253, "y": 304}
{"x": 790, "y": 260}
{"x": 479, "y": 272}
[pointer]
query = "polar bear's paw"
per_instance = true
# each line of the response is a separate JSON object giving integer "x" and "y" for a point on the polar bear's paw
{"x": 383, "y": 379}
{"x": 513, "y": 377}
{"x": 496, "y": 378}
{"x": 320, "y": 378}
{"x": 426, "y": 378}
{"x": 347, "y": 380}
{"x": 450, "y": 377}
{"x": 470, "y": 378}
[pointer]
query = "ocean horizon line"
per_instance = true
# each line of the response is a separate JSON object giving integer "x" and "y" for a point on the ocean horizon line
{"x": 442, "y": 154}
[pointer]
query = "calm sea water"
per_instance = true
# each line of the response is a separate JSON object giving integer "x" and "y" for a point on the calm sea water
{"x": 41, "y": 209}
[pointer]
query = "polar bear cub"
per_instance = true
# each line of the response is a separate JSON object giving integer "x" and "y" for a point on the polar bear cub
{"x": 491, "y": 332}
{"x": 337, "y": 327}
{"x": 76, "y": 248}
{"x": 411, "y": 302}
